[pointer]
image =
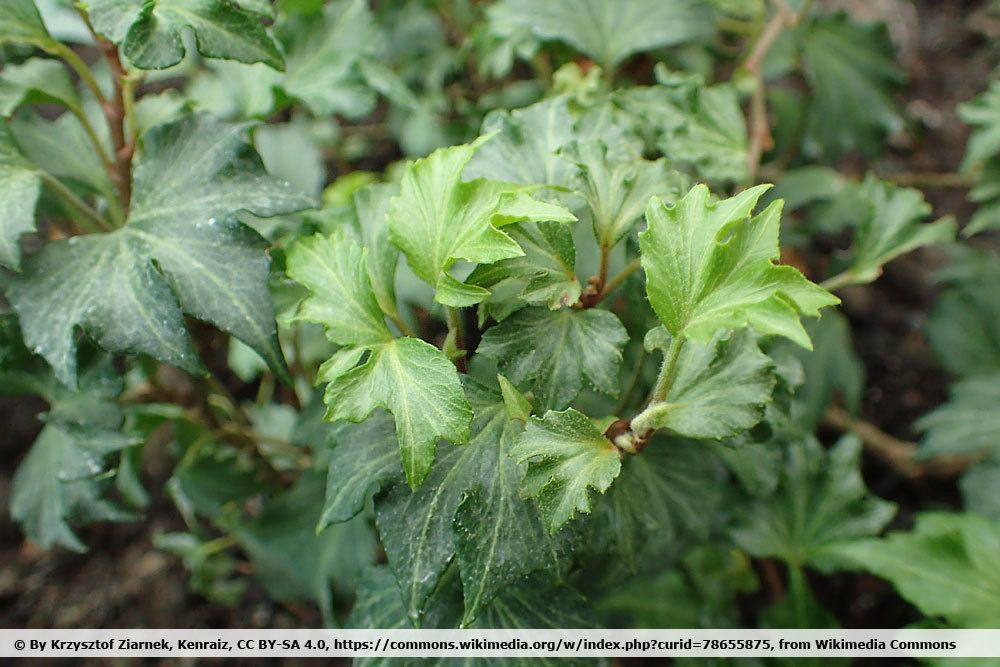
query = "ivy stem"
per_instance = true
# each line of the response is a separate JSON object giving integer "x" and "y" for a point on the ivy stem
{"x": 77, "y": 65}
{"x": 589, "y": 299}
{"x": 455, "y": 330}
{"x": 115, "y": 110}
{"x": 837, "y": 281}
{"x": 95, "y": 221}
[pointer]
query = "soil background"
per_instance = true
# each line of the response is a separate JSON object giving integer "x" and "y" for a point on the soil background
{"x": 125, "y": 582}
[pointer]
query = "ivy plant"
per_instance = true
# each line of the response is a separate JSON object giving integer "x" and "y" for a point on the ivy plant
{"x": 458, "y": 314}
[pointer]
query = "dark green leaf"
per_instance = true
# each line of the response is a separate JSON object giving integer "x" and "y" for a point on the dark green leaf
{"x": 20, "y": 185}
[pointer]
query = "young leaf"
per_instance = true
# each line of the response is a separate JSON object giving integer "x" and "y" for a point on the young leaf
{"x": 37, "y": 81}
{"x": 181, "y": 251}
{"x": 892, "y": 227}
{"x": 968, "y": 422}
{"x": 949, "y": 565}
{"x": 20, "y": 185}
{"x": 617, "y": 191}
{"x": 438, "y": 219}
{"x": 719, "y": 390}
{"x": 150, "y": 32}
{"x": 692, "y": 124}
{"x": 852, "y": 72}
{"x": 371, "y": 205}
{"x": 567, "y": 455}
{"x": 607, "y": 32}
{"x": 468, "y": 509}
{"x": 710, "y": 265}
{"x": 555, "y": 352}
{"x": 821, "y": 506}
{"x": 408, "y": 377}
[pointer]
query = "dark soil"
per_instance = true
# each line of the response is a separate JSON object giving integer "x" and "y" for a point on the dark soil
{"x": 125, "y": 582}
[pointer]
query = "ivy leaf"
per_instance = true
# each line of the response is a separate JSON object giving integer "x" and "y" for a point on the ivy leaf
{"x": 946, "y": 566}
{"x": 710, "y": 265}
{"x": 545, "y": 275}
{"x": 20, "y": 186}
{"x": 821, "y": 506}
{"x": 892, "y": 227}
{"x": 150, "y": 32}
{"x": 371, "y": 205}
{"x": 554, "y": 352}
{"x": 567, "y": 455}
{"x": 61, "y": 480}
{"x": 979, "y": 484}
{"x": 983, "y": 115}
{"x": 852, "y": 72}
{"x": 437, "y": 219}
{"x": 181, "y": 251}
{"x": 607, "y": 32}
{"x": 967, "y": 423}
{"x": 526, "y": 147}
{"x": 21, "y": 22}
{"x": 617, "y": 191}
{"x": 37, "y": 81}
{"x": 468, "y": 509}
{"x": 692, "y": 124}
{"x": 964, "y": 327}
{"x": 719, "y": 390}
{"x": 323, "y": 56}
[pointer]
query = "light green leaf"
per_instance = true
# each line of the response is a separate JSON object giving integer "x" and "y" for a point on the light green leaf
{"x": 969, "y": 422}
{"x": 545, "y": 275}
{"x": 948, "y": 566}
{"x": 852, "y": 71}
{"x": 710, "y": 266}
{"x": 692, "y": 124}
{"x": 719, "y": 390}
{"x": 618, "y": 191}
{"x": 21, "y": 22}
{"x": 371, "y": 205}
{"x": 567, "y": 455}
{"x": 36, "y": 81}
{"x": 893, "y": 225}
{"x": 181, "y": 251}
{"x": 821, "y": 506}
{"x": 416, "y": 383}
{"x": 608, "y": 32}
{"x": 323, "y": 52}
{"x": 528, "y": 140}
{"x": 468, "y": 509}
{"x": 438, "y": 219}
{"x": 20, "y": 185}
{"x": 983, "y": 114}
{"x": 555, "y": 352}
{"x": 150, "y": 32}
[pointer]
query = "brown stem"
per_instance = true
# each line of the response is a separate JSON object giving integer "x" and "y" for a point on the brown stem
{"x": 899, "y": 454}
{"x": 114, "y": 110}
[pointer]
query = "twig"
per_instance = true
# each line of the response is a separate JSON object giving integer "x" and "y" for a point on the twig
{"x": 899, "y": 454}
{"x": 593, "y": 294}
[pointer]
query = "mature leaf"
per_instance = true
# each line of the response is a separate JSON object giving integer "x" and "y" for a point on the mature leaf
{"x": 618, "y": 191}
{"x": 528, "y": 140}
{"x": 694, "y": 125}
{"x": 673, "y": 490}
{"x": 983, "y": 114}
{"x": 964, "y": 327}
{"x": 21, "y": 22}
{"x": 852, "y": 72}
{"x": 719, "y": 389}
{"x": 20, "y": 185}
{"x": 36, "y": 81}
{"x": 710, "y": 266}
{"x": 979, "y": 485}
{"x": 608, "y": 32}
{"x": 949, "y": 566}
{"x": 150, "y": 32}
{"x": 291, "y": 561}
{"x": 323, "y": 53}
{"x": 545, "y": 275}
{"x": 821, "y": 506}
{"x": 365, "y": 457}
{"x": 468, "y": 509}
{"x": 556, "y": 352}
{"x": 891, "y": 227}
{"x": 437, "y": 219}
{"x": 567, "y": 455}
{"x": 60, "y": 481}
{"x": 968, "y": 422}
{"x": 181, "y": 251}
